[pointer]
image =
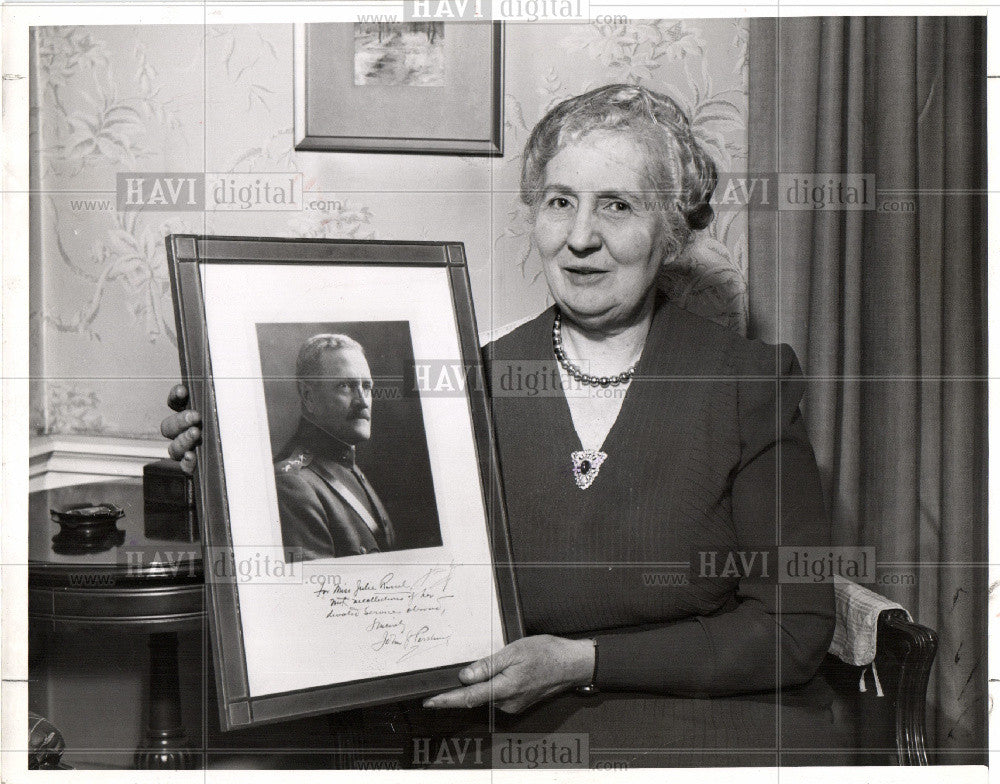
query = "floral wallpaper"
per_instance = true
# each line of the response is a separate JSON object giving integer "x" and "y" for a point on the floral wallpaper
{"x": 219, "y": 99}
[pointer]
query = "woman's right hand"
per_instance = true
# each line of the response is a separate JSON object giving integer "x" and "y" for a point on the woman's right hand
{"x": 182, "y": 429}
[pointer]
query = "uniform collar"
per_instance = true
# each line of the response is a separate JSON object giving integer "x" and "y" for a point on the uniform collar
{"x": 322, "y": 443}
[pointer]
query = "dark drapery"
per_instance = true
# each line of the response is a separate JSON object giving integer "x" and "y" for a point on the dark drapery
{"x": 886, "y": 308}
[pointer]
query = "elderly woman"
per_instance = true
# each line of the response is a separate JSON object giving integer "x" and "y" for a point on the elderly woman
{"x": 648, "y": 497}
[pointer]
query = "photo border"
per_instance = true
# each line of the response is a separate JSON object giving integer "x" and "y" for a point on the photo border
{"x": 185, "y": 253}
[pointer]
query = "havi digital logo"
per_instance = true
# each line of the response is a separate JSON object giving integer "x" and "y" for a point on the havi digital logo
{"x": 161, "y": 191}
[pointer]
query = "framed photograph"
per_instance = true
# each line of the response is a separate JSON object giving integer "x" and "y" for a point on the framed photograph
{"x": 402, "y": 87}
{"x": 353, "y": 527}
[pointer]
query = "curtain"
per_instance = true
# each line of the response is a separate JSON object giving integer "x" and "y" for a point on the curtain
{"x": 886, "y": 309}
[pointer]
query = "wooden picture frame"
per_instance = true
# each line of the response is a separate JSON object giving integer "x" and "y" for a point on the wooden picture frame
{"x": 286, "y": 645}
{"x": 461, "y": 113}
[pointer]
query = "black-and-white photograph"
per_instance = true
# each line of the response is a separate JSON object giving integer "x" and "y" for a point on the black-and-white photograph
{"x": 374, "y": 536}
{"x": 351, "y": 467}
{"x": 699, "y": 480}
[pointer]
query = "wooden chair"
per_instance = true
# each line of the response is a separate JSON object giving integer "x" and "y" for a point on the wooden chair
{"x": 888, "y": 730}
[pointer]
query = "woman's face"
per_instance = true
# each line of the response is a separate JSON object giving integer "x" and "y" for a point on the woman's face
{"x": 600, "y": 232}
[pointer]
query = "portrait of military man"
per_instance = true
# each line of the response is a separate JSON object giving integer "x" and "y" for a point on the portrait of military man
{"x": 327, "y": 506}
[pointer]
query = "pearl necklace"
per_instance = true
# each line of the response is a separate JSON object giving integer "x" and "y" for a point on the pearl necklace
{"x": 575, "y": 371}
{"x": 586, "y": 462}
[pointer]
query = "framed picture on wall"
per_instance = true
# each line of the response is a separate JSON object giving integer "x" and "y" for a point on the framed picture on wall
{"x": 401, "y": 87}
{"x": 353, "y": 528}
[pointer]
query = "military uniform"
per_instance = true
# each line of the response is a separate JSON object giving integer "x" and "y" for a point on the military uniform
{"x": 327, "y": 507}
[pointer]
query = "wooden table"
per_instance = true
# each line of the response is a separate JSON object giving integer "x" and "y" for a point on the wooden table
{"x": 135, "y": 578}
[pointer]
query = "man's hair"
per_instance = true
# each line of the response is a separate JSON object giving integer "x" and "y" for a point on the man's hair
{"x": 308, "y": 366}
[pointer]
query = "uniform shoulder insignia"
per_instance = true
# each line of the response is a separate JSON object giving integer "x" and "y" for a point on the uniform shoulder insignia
{"x": 295, "y": 462}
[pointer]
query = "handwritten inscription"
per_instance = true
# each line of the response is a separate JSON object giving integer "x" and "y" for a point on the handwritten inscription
{"x": 402, "y": 615}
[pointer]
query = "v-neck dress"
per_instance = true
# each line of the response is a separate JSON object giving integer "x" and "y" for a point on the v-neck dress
{"x": 708, "y": 463}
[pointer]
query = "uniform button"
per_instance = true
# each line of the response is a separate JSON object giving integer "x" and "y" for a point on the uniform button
{"x": 363, "y": 551}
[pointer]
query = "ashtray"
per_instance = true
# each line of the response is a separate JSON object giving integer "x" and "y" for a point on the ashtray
{"x": 87, "y": 519}
{"x": 72, "y": 542}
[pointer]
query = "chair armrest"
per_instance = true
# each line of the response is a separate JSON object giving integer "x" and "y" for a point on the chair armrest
{"x": 912, "y": 648}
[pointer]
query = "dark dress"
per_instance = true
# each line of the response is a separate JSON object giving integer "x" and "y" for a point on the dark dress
{"x": 708, "y": 457}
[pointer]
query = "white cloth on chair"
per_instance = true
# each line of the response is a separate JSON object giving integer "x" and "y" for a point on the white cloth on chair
{"x": 857, "y": 621}
{"x": 856, "y": 629}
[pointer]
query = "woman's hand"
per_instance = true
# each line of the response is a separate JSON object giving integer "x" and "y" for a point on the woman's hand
{"x": 522, "y": 673}
{"x": 182, "y": 428}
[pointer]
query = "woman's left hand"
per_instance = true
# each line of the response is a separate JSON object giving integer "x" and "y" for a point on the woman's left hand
{"x": 522, "y": 673}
